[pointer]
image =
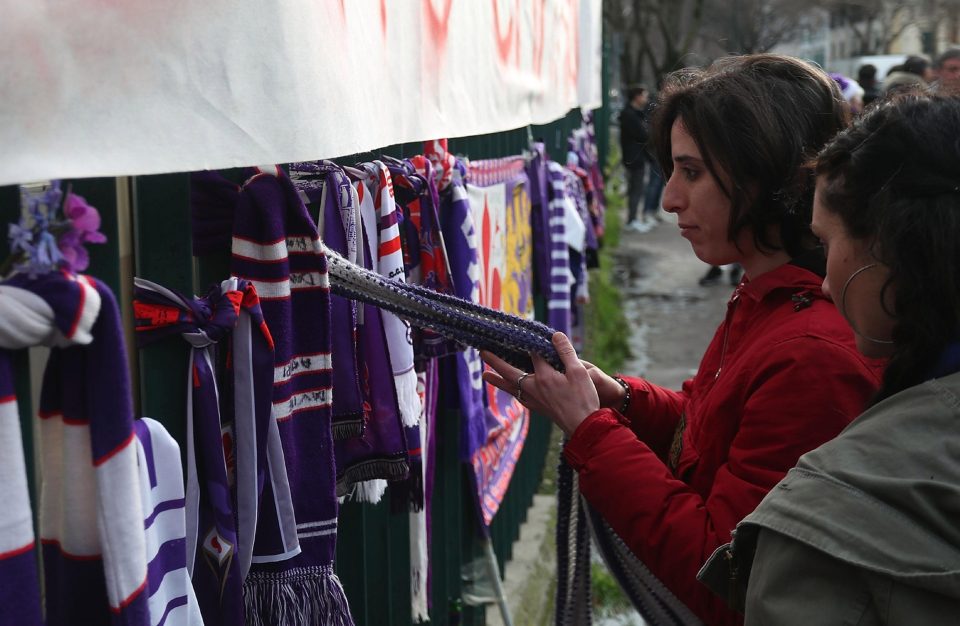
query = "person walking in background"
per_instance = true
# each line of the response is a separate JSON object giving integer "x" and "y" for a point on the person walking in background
{"x": 654, "y": 188}
{"x": 867, "y": 77}
{"x": 673, "y": 472}
{"x": 634, "y": 137}
{"x": 947, "y": 70}
{"x": 864, "y": 529}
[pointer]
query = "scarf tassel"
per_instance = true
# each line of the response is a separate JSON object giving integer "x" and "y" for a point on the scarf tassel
{"x": 407, "y": 398}
{"x": 388, "y": 469}
{"x": 302, "y": 596}
{"x": 347, "y": 427}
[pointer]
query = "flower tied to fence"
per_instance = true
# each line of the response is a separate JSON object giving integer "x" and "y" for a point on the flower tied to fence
{"x": 50, "y": 236}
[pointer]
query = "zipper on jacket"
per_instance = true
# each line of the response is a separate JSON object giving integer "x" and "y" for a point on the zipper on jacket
{"x": 731, "y": 307}
{"x": 732, "y": 581}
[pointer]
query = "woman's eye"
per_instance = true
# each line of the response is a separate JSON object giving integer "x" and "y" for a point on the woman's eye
{"x": 690, "y": 174}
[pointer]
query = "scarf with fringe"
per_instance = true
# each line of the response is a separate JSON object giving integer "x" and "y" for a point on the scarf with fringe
{"x": 379, "y": 452}
{"x": 276, "y": 246}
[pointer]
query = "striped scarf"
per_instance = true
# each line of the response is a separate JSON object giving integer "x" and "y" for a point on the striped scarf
{"x": 239, "y": 508}
{"x": 510, "y": 337}
{"x": 326, "y": 189}
{"x": 425, "y": 259}
{"x": 558, "y": 298}
{"x": 460, "y": 230}
{"x": 276, "y": 247}
{"x": 366, "y": 460}
{"x": 172, "y": 599}
{"x": 91, "y": 523}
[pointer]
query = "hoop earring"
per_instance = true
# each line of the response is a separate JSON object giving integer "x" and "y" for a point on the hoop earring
{"x": 843, "y": 307}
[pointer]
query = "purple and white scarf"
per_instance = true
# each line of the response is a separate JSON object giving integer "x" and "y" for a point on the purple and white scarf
{"x": 558, "y": 300}
{"x": 239, "y": 508}
{"x": 367, "y": 459}
{"x": 276, "y": 246}
{"x": 388, "y": 261}
{"x": 364, "y": 463}
{"x": 460, "y": 230}
{"x": 91, "y": 523}
{"x": 324, "y": 187}
{"x": 172, "y": 599}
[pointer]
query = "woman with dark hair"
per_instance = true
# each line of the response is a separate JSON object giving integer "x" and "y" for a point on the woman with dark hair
{"x": 673, "y": 472}
{"x": 867, "y": 524}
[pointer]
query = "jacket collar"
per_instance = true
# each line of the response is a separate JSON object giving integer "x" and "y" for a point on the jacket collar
{"x": 804, "y": 272}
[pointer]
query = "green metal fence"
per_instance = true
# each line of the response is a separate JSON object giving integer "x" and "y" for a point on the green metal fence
{"x": 147, "y": 222}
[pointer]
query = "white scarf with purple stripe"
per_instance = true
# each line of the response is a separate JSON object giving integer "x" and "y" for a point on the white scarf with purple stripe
{"x": 172, "y": 600}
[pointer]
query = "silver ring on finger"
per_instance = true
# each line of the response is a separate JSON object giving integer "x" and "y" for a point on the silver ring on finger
{"x": 520, "y": 384}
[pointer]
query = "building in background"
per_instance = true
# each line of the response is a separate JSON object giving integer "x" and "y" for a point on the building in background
{"x": 842, "y": 36}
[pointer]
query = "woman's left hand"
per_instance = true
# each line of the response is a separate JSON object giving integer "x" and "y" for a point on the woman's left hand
{"x": 566, "y": 398}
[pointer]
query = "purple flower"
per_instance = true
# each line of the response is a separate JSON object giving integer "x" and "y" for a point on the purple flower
{"x": 46, "y": 255}
{"x": 44, "y": 239}
{"x": 20, "y": 238}
{"x": 84, "y": 221}
{"x": 73, "y": 251}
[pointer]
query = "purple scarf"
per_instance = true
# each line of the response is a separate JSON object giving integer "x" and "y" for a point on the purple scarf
{"x": 460, "y": 231}
{"x": 327, "y": 190}
{"x": 19, "y": 591}
{"x": 539, "y": 217}
{"x": 379, "y": 451}
{"x": 239, "y": 507}
{"x": 558, "y": 296}
{"x": 276, "y": 247}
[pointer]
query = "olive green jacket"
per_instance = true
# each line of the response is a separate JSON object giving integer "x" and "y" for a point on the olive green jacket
{"x": 864, "y": 530}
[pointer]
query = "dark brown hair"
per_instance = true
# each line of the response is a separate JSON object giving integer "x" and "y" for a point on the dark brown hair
{"x": 893, "y": 179}
{"x": 759, "y": 119}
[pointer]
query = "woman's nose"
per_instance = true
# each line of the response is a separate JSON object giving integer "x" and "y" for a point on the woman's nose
{"x": 672, "y": 197}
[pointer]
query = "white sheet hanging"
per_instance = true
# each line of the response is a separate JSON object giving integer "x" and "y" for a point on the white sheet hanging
{"x": 123, "y": 88}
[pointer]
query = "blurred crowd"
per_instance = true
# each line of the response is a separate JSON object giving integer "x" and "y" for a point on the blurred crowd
{"x": 942, "y": 76}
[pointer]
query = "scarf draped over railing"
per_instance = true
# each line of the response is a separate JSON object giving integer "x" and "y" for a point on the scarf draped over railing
{"x": 91, "y": 523}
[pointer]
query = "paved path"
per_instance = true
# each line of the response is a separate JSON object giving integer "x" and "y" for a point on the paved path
{"x": 672, "y": 318}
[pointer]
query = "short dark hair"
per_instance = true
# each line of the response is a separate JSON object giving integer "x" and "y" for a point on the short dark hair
{"x": 760, "y": 119}
{"x": 915, "y": 65}
{"x": 893, "y": 179}
{"x": 635, "y": 90}
{"x": 946, "y": 55}
{"x": 866, "y": 74}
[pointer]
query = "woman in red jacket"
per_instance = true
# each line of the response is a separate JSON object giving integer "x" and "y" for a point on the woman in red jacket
{"x": 673, "y": 472}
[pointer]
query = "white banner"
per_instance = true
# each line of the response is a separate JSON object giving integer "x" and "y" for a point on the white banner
{"x": 96, "y": 88}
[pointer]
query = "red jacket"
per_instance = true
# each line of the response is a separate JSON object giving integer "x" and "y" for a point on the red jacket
{"x": 673, "y": 477}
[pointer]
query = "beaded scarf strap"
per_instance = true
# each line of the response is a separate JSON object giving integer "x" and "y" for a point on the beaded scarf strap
{"x": 510, "y": 337}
